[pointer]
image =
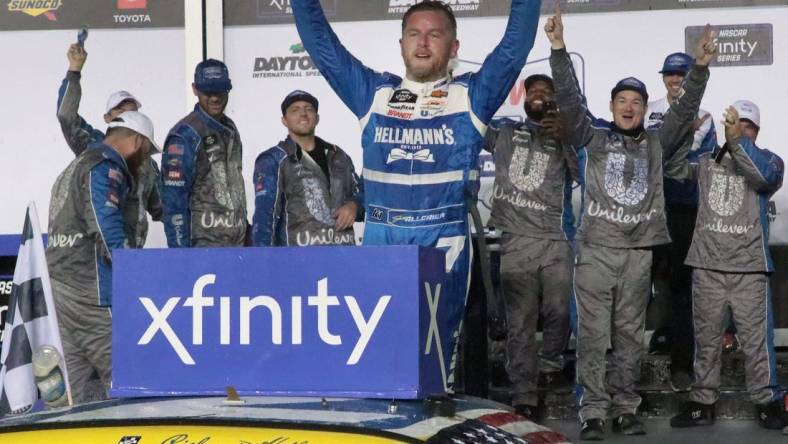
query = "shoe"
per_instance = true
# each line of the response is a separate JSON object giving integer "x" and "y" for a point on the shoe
{"x": 553, "y": 380}
{"x": 772, "y": 415}
{"x": 629, "y": 424}
{"x": 693, "y": 414}
{"x": 680, "y": 381}
{"x": 730, "y": 343}
{"x": 592, "y": 430}
{"x": 530, "y": 412}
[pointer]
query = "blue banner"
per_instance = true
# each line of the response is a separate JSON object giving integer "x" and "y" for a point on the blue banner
{"x": 318, "y": 321}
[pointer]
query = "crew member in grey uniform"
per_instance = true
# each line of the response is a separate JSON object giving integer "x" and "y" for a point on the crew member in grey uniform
{"x": 306, "y": 190}
{"x": 202, "y": 186}
{"x": 79, "y": 134}
{"x": 86, "y": 222}
{"x": 532, "y": 206}
{"x": 681, "y": 207}
{"x": 731, "y": 266}
{"x": 624, "y": 216}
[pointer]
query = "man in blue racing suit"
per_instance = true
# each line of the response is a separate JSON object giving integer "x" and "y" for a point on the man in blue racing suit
{"x": 422, "y": 135}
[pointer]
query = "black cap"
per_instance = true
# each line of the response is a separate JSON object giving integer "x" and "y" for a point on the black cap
{"x": 297, "y": 96}
{"x": 630, "y": 84}
{"x": 533, "y": 78}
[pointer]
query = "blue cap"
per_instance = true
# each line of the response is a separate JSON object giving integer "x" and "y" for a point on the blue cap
{"x": 298, "y": 96}
{"x": 630, "y": 84}
{"x": 211, "y": 76}
{"x": 677, "y": 63}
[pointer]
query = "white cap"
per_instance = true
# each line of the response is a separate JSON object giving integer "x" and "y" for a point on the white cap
{"x": 137, "y": 122}
{"x": 748, "y": 110}
{"x": 119, "y": 97}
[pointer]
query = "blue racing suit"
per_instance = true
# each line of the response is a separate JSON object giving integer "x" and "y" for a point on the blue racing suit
{"x": 421, "y": 142}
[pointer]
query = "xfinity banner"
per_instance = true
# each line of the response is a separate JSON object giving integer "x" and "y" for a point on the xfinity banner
{"x": 318, "y": 321}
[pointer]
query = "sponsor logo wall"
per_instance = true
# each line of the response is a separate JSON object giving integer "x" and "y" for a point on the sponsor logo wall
{"x": 20, "y": 15}
{"x": 261, "y": 12}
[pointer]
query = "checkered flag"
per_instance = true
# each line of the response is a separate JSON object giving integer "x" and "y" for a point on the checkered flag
{"x": 31, "y": 322}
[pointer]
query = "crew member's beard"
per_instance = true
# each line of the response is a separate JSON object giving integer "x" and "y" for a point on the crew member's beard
{"x": 135, "y": 163}
{"x": 535, "y": 114}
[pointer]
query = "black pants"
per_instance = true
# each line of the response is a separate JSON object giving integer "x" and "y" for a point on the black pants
{"x": 681, "y": 224}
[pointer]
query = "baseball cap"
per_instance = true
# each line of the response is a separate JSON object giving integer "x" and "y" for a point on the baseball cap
{"x": 296, "y": 96}
{"x": 630, "y": 84}
{"x": 748, "y": 111}
{"x": 119, "y": 97}
{"x": 212, "y": 76}
{"x": 533, "y": 78}
{"x": 678, "y": 63}
{"x": 137, "y": 122}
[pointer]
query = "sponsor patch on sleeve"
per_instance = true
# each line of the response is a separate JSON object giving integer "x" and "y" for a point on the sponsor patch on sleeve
{"x": 115, "y": 175}
{"x": 112, "y": 199}
{"x": 175, "y": 149}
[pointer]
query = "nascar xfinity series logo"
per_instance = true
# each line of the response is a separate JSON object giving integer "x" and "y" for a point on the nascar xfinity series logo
{"x": 36, "y": 7}
{"x": 243, "y": 307}
{"x": 296, "y": 64}
{"x": 400, "y": 6}
{"x": 737, "y": 45}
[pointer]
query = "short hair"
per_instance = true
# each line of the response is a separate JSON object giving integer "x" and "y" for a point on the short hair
{"x": 432, "y": 5}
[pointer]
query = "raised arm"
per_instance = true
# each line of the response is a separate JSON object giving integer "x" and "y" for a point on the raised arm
{"x": 678, "y": 122}
{"x": 77, "y": 132}
{"x": 500, "y": 70}
{"x": 574, "y": 114}
{"x": 760, "y": 167}
{"x": 353, "y": 82}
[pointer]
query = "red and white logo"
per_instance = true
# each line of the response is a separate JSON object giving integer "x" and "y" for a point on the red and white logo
{"x": 132, "y": 4}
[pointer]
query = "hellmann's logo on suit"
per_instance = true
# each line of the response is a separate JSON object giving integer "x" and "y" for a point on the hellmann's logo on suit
{"x": 322, "y": 303}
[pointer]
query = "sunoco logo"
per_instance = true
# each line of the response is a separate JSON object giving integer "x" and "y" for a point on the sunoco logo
{"x": 737, "y": 45}
{"x": 298, "y": 64}
{"x": 400, "y": 6}
{"x": 36, "y": 7}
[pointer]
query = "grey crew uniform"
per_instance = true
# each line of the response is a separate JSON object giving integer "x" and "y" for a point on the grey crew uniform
{"x": 623, "y": 216}
{"x": 731, "y": 261}
{"x": 294, "y": 199}
{"x": 202, "y": 186}
{"x": 79, "y": 134}
{"x": 86, "y": 223}
{"x": 532, "y": 206}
